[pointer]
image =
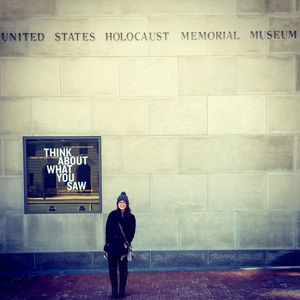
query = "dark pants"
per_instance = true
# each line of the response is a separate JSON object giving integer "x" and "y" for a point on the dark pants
{"x": 113, "y": 263}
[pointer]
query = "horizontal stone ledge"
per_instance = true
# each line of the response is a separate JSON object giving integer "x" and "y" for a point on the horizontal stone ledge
{"x": 147, "y": 260}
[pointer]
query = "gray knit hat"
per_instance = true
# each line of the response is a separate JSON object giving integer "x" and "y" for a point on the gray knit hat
{"x": 123, "y": 197}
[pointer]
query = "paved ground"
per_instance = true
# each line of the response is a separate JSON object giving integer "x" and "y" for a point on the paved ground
{"x": 239, "y": 284}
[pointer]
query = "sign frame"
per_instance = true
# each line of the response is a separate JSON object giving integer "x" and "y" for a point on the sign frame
{"x": 57, "y": 192}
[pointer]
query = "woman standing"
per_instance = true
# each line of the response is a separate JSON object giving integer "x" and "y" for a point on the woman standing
{"x": 116, "y": 246}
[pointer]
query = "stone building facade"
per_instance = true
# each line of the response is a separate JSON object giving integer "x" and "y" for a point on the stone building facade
{"x": 199, "y": 121}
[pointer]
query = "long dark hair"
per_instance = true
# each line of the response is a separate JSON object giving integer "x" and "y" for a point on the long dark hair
{"x": 127, "y": 210}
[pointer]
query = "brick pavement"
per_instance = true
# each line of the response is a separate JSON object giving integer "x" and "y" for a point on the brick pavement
{"x": 213, "y": 285}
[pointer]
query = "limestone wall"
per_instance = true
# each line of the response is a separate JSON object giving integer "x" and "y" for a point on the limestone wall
{"x": 203, "y": 135}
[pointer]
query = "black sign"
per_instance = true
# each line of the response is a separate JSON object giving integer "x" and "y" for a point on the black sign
{"x": 62, "y": 174}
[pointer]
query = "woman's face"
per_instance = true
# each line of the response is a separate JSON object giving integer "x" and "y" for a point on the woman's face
{"x": 122, "y": 205}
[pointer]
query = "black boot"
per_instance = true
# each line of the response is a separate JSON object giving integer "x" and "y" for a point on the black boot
{"x": 114, "y": 287}
{"x": 113, "y": 275}
{"x": 123, "y": 277}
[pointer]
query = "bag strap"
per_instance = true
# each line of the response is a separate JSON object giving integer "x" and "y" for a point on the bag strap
{"x": 127, "y": 243}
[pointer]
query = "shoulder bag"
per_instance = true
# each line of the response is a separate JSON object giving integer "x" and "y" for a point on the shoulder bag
{"x": 128, "y": 246}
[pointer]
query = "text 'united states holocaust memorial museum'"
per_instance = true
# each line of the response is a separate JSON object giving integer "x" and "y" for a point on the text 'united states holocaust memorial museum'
{"x": 144, "y": 36}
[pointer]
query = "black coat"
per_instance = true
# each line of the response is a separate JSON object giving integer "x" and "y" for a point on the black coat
{"x": 114, "y": 237}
